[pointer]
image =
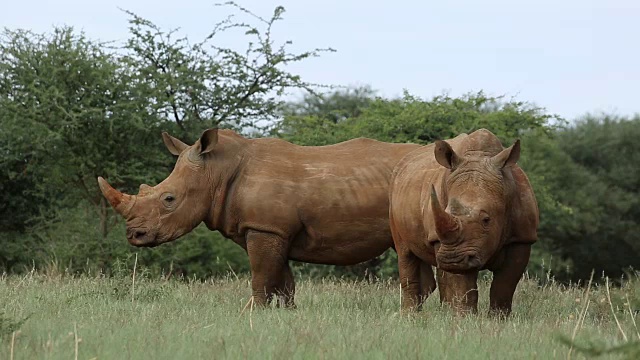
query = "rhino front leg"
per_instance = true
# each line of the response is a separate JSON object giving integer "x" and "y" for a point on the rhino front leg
{"x": 267, "y": 257}
{"x": 506, "y": 278}
{"x": 286, "y": 288}
{"x": 427, "y": 281}
{"x": 409, "y": 269}
{"x": 460, "y": 291}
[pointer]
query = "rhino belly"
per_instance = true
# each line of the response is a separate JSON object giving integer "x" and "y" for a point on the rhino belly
{"x": 357, "y": 242}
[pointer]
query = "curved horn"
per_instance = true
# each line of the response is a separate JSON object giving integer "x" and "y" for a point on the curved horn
{"x": 120, "y": 202}
{"x": 446, "y": 224}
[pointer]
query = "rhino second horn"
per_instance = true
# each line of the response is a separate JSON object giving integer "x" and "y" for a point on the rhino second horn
{"x": 446, "y": 224}
{"x": 144, "y": 190}
{"x": 120, "y": 202}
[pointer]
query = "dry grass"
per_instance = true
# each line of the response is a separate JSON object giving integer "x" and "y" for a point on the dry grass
{"x": 95, "y": 317}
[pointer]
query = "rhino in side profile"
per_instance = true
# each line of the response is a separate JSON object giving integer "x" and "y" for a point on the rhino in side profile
{"x": 279, "y": 201}
{"x": 462, "y": 205}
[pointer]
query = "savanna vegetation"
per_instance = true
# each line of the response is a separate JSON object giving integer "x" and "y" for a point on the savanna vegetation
{"x": 129, "y": 316}
{"x": 73, "y": 108}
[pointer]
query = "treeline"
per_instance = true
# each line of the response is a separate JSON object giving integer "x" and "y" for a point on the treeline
{"x": 72, "y": 109}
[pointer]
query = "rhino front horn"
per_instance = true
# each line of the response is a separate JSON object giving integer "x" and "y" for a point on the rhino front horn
{"x": 120, "y": 202}
{"x": 446, "y": 224}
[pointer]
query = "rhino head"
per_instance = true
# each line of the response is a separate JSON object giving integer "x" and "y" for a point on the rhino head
{"x": 477, "y": 216}
{"x": 174, "y": 207}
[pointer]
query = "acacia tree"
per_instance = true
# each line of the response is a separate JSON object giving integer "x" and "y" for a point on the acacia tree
{"x": 203, "y": 85}
{"x": 72, "y": 109}
{"x": 76, "y": 109}
{"x": 69, "y": 114}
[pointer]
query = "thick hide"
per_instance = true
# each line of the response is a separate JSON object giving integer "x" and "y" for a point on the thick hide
{"x": 279, "y": 201}
{"x": 462, "y": 205}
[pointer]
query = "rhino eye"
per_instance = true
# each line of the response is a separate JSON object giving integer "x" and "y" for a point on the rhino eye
{"x": 486, "y": 220}
{"x": 169, "y": 198}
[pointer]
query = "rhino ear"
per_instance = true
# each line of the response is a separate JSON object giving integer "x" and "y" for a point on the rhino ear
{"x": 208, "y": 140}
{"x": 174, "y": 145}
{"x": 508, "y": 156}
{"x": 445, "y": 155}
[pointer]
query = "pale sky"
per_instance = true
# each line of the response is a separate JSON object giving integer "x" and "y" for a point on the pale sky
{"x": 569, "y": 56}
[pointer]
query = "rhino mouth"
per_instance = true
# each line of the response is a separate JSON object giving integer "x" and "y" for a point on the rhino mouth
{"x": 144, "y": 244}
{"x": 141, "y": 237}
{"x": 458, "y": 262}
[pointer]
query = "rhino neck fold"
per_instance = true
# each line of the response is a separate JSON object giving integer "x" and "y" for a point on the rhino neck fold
{"x": 223, "y": 187}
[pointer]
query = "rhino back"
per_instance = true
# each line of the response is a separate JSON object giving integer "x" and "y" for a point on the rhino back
{"x": 331, "y": 201}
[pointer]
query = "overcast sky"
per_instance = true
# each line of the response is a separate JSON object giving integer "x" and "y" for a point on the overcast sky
{"x": 569, "y": 56}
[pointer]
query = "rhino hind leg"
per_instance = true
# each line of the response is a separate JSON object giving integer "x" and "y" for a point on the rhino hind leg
{"x": 507, "y": 277}
{"x": 286, "y": 288}
{"x": 460, "y": 291}
{"x": 267, "y": 257}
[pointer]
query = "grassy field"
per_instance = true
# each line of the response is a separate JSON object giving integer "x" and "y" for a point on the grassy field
{"x": 107, "y": 318}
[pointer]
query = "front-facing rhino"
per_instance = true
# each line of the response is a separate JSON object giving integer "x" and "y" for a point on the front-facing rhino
{"x": 279, "y": 201}
{"x": 462, "y": 205}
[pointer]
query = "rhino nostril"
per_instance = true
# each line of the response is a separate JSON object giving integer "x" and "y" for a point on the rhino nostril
{"x": 473, "y": 261}
{"x": 135, "y": 233}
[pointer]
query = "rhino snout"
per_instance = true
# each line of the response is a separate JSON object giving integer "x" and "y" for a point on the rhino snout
{"x": 140, "y": 237}
{"x": 135, "y": 233}
{"x": 457, "y": 263}
{"x": 474, "y": 262}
